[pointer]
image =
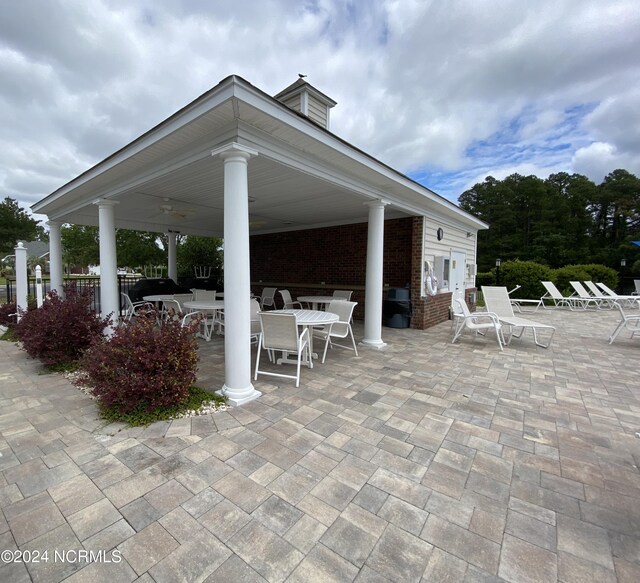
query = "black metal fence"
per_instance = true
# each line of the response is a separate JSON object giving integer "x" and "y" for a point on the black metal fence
{"x": 124, "y": 284}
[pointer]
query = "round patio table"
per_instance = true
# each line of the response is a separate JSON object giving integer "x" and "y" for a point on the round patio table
{"x": 157, "y": 298}
{"x": 212, "y": 306}
{"x": 316, "y": 300}
{"x": 308, "y": 319}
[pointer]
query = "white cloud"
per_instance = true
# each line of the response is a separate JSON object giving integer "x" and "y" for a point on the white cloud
{"x": 445, "y": 91}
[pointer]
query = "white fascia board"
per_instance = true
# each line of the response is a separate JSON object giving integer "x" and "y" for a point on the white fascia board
{"x": 192, "y": 112}
{"x": 280, "y": 112}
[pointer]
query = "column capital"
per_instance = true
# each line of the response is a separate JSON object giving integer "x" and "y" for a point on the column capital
{"x": 378, "y": 203}
{"x": 105, "y": 202}
{"x": 54, "y": 224}
{"x": 234, "y": 149}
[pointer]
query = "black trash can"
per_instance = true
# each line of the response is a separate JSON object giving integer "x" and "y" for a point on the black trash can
{"x": 396, "y": 309}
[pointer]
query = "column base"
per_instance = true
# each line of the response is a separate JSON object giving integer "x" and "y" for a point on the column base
{"x": 375, "y": 344}
{"x": 239, "y": 397}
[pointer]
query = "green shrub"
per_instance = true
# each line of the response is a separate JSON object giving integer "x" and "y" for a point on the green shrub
{"x": 562, "y": 276}
{"x": 60, "y": 330}
{"x": 142, "y": 367}
{"x": 526, "y": 274}
{"x": 600, "y": 273}
{"x": 485, "y": 278}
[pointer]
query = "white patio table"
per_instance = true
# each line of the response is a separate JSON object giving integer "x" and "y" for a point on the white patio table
{"x": 308, "y": 319}
{"x": 316, "y": 300}
{"x": 212, "y": 306}
{"x": 157, "y": 298}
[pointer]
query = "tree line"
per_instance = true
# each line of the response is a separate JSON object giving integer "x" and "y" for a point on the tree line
{"x": 562, "y": 220}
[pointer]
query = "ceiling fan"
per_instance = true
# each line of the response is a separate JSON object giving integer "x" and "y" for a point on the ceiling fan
{"x": 167, "y": 209}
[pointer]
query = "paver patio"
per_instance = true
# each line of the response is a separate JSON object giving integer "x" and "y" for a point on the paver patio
{"x": 424, "y": 462}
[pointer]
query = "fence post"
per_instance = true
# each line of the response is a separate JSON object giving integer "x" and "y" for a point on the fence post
{"x": 39, "y": 285}
{"x": 21, "y": 279}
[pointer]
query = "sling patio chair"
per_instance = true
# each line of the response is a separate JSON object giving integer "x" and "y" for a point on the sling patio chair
{"x": 636, "y": 283}
{"x": 268, "y": 298}
{"x": 288, "y": 302}
{"x": 628, "y": 301}
{"x": 497, "y": 301}
{"x": 629, "y": 322}
{"x": 582, "y": 295}
{"x": 131, "y": 309}
{"x": 553, "y": 294}
{"x": 279, "y": 332}
{"x": 595, "y": 291}
{"x": 340, "y": 329}
{"x": 479, "y": 322}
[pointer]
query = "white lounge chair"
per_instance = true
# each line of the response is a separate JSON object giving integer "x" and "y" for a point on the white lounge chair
{"x": 497, "y": 301}
{"x": 629, "y": 322}
{"x": 636, "y": 283}
{"x": 280, "y": 332}
{"x": 628, "y": 301}
{"x": 479, "y": 322}
{"x": 553, "y": 294}
{"x": 583, "y": 296}
{"x": 595, "y": 291}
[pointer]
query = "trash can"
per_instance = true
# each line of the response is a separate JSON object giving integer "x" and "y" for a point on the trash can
{"x": 396, "y": 309}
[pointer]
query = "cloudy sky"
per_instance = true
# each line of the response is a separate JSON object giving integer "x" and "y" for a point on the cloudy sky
{"x": 447, "y": 92}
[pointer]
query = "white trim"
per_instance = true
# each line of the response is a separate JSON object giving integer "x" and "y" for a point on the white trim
{"x": 304, "y": 103}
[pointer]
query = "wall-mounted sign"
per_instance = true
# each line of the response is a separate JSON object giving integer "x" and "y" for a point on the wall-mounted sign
{"x": 440, "y": 234}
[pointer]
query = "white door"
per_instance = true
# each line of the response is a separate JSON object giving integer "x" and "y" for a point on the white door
{"x": 457, "y": 273}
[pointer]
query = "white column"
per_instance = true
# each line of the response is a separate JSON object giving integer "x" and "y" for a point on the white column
{"x": 374, "y": 281}
{"x": 109, "y": 300}
{"x": 55, "y": 257}
{"x": 22, "y": 285}
{"x": 237, "y": 283}
{"x": 171, "y": 256}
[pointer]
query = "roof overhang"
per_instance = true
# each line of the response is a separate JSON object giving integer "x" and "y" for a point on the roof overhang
{"x": 303, "y": 177}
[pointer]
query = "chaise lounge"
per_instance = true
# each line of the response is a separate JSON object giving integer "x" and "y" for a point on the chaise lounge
{"x": 497, "y": 301}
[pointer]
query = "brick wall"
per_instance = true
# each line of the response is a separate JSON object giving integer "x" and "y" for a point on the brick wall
{"x": 300, "y": 260}
{"x": 335, "y": 255}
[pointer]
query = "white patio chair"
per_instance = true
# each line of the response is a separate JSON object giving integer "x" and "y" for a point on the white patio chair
{"x": 629, "y": 322}
{"x": 268, "y": 298}
{"x": 340, "y": 329}
{"x": 254, "y": 308}
{"x": 497, "y": 301}
{"x": 181, "y": 299}
{"x": 131, "y": 309}
{"x": 584, "y": 296}
{"x": 342, "y": 294}
{"x": 201, "y": 318}
{"x": 479, "y": 322}
{"x": 204, "y": 295}
{"x": 171, "y": 310}
{"x": 279, "y": 332}
{"x": 636, "y": 283}
{"x": 289, "y": 303}
{"x": 553, "y": 294}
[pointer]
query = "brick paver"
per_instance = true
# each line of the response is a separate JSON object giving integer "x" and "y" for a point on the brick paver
{"x": 424, "y": 462}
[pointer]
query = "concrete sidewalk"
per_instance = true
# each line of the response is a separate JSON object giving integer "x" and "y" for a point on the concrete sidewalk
{"x": 425, "y": 462}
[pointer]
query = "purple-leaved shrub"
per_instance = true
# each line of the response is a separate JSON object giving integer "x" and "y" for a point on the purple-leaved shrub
{"x": 143, "y": 366}
{"x": 60, "y": 330}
